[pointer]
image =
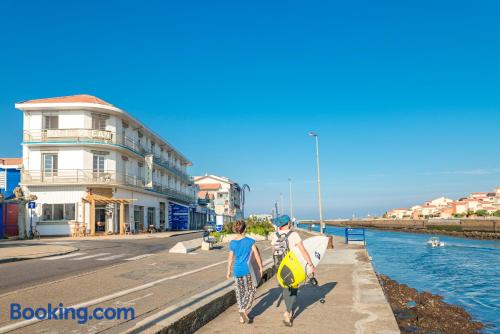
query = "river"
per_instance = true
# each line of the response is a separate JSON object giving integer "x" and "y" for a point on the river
{"x": 466, "y": 272}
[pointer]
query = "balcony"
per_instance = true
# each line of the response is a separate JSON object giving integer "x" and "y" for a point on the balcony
{"x": 99, "y": 136}
{"x": 105, "y": 178}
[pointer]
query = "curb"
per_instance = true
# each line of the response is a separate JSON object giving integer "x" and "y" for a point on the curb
{"x": 196, "y": 311}
{"x": 23, "y": 258}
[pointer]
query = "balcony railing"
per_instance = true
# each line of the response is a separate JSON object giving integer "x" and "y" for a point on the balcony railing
{"x": 81, "y": 176}
{"x": 100, "y": 136}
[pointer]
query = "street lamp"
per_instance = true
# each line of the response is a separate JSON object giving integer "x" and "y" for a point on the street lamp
{"x": 290, "y": 198}
{"x": 321, "y": 224}
{"x": 243, "y": 188}
{"x": 282, "y": 209}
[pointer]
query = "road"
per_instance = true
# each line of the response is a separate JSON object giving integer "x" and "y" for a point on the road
{"x": 154, "y": 280}
{"x": 92, "y": 255}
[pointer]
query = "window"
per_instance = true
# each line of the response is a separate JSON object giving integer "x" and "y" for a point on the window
{"x": 98, "y": 163}
{"x": 50, "y": 122}
{"x": 98, "y": 123}
{"x": 50, "y": 162}
{"x": 55, "y": 212}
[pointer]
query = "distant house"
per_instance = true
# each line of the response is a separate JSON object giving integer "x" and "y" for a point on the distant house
{"x": 460, "y": 207}
{"x": 10, "y": 176}
{"x": 439, "y": 202}
{"x": 399, "y": 213}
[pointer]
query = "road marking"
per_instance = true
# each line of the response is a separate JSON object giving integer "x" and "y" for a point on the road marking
{"x": 24, "y": 323}
{"x": 138, "y": 257}
{"x": 112, "y": 257}
{"x": 131, "y": 302}
{"x": 90, "y": 256}
{"x": 51, "y": 258}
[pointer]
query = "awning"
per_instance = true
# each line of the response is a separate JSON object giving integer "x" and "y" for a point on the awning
{"x": 99, "y": 199}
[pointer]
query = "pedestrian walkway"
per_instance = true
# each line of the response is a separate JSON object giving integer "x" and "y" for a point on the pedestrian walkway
{"x": 10, "y": 252}
{"x": 353, "y": 301}
{"x": 80, "y": 256}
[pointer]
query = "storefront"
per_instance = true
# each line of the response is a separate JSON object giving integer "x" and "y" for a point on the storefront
{"x": 178, "y": 216}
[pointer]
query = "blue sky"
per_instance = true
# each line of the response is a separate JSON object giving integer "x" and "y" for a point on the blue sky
{"x": 404, "y": 95}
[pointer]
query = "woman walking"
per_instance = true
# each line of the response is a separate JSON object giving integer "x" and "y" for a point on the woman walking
{"x": 240, "y": 250}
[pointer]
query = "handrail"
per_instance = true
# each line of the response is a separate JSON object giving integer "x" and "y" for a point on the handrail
{"x": 107, "y": 177}
{"x": 104, "y": 136}
{"x": 355, "y": 232}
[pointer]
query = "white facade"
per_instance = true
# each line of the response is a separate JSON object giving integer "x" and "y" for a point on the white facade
{"x": 80, "y": 144}
{"x": 225, "y": 192}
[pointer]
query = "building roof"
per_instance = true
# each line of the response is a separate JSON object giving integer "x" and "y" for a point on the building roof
{"x": 11, "y": 161}
{"x": 81, "y": 98}
{"x": 215, "y": 177}
{"x": 209, "y": 186}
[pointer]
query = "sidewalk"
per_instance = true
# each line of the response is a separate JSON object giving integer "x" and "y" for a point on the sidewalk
{"x": 138, "y": 236}
{"x": 354, "y": 301}
{"x": 19, "y": 251}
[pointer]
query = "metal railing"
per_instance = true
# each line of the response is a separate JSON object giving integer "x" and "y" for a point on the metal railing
{"x": 82, "y": 176}
{"x": 101, "y": 136}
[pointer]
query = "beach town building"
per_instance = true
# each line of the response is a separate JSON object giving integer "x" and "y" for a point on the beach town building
{"x": 95, "y": 166}
{"x": 398, "y": 213}
{"x": 444, "y": 207}
{"x": 10, "y": 176}
{"x": 223, "y": 194}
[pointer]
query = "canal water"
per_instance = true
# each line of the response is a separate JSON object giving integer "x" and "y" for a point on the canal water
{"x": 465, "y": 272}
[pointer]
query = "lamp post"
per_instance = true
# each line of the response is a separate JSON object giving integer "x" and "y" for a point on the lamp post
{"x": 290, "y": 198}
{"x": 320, "y": 203}
{"x": 243, "y": 189}
{"x": 282, "y": 209}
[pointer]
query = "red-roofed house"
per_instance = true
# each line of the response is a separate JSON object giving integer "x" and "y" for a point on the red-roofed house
{"x": 225, "y": 192}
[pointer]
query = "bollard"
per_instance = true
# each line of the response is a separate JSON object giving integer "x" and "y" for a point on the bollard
{"x": 330, "y": 243}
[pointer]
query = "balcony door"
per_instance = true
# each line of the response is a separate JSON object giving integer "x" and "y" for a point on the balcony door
{"x": 98, "y": 167}
{"x": 50, "y": 162}
{"x": 50, "y": 122}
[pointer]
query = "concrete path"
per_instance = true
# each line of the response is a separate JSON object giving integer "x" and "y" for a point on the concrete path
{"x": 354, "y": 301}
{"x": 25, "y": 251}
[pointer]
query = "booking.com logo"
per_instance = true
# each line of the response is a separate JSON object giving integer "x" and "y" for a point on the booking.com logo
{"x": 81, "y": 314}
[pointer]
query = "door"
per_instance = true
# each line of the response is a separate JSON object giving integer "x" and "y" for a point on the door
{"x": 50, "y": 165}
{"x": 151, "y": 217}
{"x": 100, "y": 219}
{"x": 162, "y": 216}
{"x": 98, "y": 166}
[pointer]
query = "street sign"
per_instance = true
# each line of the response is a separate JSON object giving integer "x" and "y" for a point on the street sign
{"x": 31, "y": 205}
{"x": 218, "y": 228}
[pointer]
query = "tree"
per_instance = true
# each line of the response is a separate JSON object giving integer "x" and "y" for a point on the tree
{"x": 496, "y": 213}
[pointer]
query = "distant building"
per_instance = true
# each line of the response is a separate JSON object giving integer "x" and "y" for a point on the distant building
{"x": 10, "y": 176}
{"x": 399, "y": 213}
{"x": 223, "y": 194}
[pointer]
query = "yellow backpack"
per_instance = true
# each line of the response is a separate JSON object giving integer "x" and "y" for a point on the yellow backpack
{"x": 290, "y": 272}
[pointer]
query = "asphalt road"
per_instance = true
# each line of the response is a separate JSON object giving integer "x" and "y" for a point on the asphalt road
{"x": 92, "y": 255}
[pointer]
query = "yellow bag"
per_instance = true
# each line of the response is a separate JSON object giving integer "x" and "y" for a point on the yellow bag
{"x": 290, "y": 272}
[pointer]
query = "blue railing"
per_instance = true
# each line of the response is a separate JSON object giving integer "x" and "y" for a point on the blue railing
{"x": 355, "y": 234}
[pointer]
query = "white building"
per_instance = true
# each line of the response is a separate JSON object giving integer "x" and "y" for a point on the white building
{"x": 91, "y": 162}
{"x": 224, "y": 194}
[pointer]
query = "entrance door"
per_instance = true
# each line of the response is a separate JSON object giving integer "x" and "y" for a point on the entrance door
{"x": 100, "y": 219}
{"x": 138, "y": 218}
{"x": 162, "y": 216}
{"x": 151, "y": 217}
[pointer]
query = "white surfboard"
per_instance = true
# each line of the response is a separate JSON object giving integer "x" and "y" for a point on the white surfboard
{"x": 315, "y": 247}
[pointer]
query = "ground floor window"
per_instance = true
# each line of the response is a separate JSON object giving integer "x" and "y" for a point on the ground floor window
{"x": 54, "y": 212}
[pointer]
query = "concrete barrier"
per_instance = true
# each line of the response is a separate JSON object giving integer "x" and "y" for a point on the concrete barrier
{"x": 184, "y": 247}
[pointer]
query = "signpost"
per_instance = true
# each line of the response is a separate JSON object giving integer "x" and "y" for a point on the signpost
{"x": 31, "y": 206}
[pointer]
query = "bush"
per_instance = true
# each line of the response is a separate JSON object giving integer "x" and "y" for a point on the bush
{"x": 253, "y": 226}
{"x": 481, "y": 213}
{"x": 496, "y": 213}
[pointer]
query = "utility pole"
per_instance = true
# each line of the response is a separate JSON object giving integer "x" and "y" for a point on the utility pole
{"x": 320, "y": 203}
{"x": 282, "y": 209}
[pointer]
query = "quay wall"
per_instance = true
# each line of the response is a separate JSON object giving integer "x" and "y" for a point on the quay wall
{"x": 465, "y": 225}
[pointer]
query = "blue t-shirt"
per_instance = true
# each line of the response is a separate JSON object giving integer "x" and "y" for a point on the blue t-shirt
{"x": 242, "y": 249}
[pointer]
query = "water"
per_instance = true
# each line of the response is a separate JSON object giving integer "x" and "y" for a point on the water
{"x": 466, "y": 272}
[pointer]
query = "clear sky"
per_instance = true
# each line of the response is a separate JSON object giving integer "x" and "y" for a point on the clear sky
{"x": 405, "y": 95}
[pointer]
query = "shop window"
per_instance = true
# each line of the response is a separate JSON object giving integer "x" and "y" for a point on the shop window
{"x": 58, "y": 212}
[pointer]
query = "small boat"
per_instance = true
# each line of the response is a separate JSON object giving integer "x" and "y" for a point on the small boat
{"x": 435, "y": 242}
